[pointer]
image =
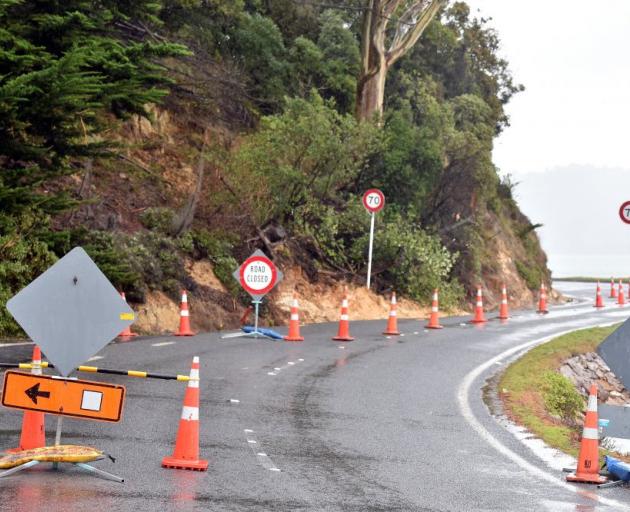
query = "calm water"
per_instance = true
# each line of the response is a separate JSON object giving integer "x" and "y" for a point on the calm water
{"x": 589, "y": 265}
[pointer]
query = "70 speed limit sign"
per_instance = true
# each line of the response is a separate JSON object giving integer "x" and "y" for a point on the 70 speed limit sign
{"x": 624, "y": 212}
{"x": 373, "y": 200}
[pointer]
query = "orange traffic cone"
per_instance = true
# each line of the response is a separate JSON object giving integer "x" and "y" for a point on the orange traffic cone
{"x": 613, "y": 292}
{"x": 294, "y": 322}
{"x": 392, "y": 321}
{"x": 588, "y": 460}
{"x": 126, "y": 333}
{"x": 343, "y": 334}
{"x": 434, "y": 319}
{"x": 542, "y": 301}
{"x": 479, "y": 316}
{"x": 33, "y": 423}
{"x": 186, "y": 453}
{"x": 503, "y": 309}
{"x": 184, "y": 318}
{"x": 620, "y": 297}
{"x": 599, "y": 302}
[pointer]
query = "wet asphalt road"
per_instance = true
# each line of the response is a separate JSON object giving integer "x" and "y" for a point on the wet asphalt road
{"x": 375, "y": 424}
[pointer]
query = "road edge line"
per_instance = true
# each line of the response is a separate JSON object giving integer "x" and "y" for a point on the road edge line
{"x": 463, "y": 393}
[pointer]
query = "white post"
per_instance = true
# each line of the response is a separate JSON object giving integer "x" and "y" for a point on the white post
{"x": 369, "y": 271}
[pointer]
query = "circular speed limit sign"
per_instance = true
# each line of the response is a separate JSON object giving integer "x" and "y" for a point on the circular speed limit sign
{"x": 373, "y": 200}
{"x": 624, "y": 212}
{"x": 258, "y": 275}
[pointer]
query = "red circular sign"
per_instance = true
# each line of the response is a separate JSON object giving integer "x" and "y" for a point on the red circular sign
{"x": 624, "y": 212}
{"x": 258, "y": 275}
{"x": 373, "y": 200}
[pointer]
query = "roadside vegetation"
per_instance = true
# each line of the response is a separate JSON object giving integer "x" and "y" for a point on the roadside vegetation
{"x": 267, "y": 101}
{"x": 536, "y": 396}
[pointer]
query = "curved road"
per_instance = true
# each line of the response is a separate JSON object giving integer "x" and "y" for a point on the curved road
{"x": 377, "y": 424}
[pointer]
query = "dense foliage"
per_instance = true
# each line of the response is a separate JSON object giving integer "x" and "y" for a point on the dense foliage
{"x": 281, "y": 77}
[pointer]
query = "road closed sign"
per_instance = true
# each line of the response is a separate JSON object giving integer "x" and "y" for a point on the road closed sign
{"x": 65, "y": 397}
{"x": 373, "y": 200}
{"x": 624, "y": 212}
{"x": 258, "y": 275}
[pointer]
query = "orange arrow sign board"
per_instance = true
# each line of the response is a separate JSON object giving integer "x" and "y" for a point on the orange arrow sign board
{"x": 67, "y": 397}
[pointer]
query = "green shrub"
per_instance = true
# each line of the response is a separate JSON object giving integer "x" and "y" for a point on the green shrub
{"x": 158, "y": 219}
{"x": 561, "y": 397}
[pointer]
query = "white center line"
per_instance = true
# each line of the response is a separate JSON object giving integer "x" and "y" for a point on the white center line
{"x": 263, "y": 459}
{"x": 95, "y": 358}
{"x": 163, "y": 344}
{"x": 289, "y": 364}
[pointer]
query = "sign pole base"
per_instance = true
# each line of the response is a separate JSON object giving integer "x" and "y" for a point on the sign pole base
{"x": 82, "y": 465}
{"x": 255, "y": 333}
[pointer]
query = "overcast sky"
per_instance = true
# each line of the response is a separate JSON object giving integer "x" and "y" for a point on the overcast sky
{"x": 569, "y": 140}
{"x": 572, "y": 56}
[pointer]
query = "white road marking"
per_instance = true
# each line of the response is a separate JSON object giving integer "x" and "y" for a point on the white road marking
{"x": 466, "y": 410}
{"x": 234, "y": 401}
{"x": 263, "y": 459}
{"x": 416, "y": 332}
{"x": 289, "y": 364}
{"x": 163, "y": 344}
{"x": 95, "y": 358}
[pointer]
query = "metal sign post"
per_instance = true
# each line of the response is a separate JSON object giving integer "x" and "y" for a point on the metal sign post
{"x": 373, "y": 201}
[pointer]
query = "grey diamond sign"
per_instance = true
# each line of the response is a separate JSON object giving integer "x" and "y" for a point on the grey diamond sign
{"x": 71, "y": 311}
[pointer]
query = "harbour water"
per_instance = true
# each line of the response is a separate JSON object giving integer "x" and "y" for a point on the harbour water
{"x": 589, "y": 265}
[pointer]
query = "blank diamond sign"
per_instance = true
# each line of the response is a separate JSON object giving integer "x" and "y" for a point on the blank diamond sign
{"x": 71, "y": 311}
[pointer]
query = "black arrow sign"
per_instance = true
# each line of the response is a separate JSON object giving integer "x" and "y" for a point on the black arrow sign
{"x": 33, "y": 392}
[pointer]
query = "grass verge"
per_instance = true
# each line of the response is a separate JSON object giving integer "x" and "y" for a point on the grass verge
{"x": 522, "y": 387}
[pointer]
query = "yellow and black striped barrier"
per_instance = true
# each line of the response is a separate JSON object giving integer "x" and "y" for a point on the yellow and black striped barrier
{"x": 94, "y": 369}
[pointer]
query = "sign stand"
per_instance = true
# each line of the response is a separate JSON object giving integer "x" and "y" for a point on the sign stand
{"x": 257, "y": 276}
{"x": 373, "y": 201}
{"x": 100, "y": 314}
{"x": 55, "y": 465}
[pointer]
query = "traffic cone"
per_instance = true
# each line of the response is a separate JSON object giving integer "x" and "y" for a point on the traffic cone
{"x": 434, "y": 319}
{"x": 613, "y": 291}
{"x": 126, "y": 332}
{"x": 599, "y": 302}
{"x": 186, "y": 453}
{"x": 479, "y": 316}
{"x": 343, "y": 334}
{"x": 184, "y": 318}
{"x": 392, "y": 321}
{"x": 33, "y": 423}
{"x": 620, "y": 297}
{"x": 294, "y": 322}
{"x": 588, "y": 460}
{"x": 542, "y": 301}
{"x": 503, "y": 309}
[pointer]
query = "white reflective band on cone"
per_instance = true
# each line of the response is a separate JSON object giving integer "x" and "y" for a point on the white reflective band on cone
{"x": 435, "y": 296}
{"x": 479, "y": 304}
{"x": 479, "y": 292}
{"x": 503, "y": 301}
{"x": 344, "y": 317}
{"x": 190, "y": 413}
{"x": 294, "y": 316}
{"x": 392, "y": 313}
{"x": 592, "y": 403}
{"x": 434, "y": 309}
{"x": 344, "y": 303}
{"x": 394, "y": 299}
{"x": 193, "y": 383}
{"x": 295, "y": 303}
{"x": 183, "y": 312}
{"x": 184, "y": 297}
{"x": 194, "y": 373}
{"x": 590, "y": 433}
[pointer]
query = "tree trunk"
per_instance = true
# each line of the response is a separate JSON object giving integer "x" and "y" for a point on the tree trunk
{"x": 370, "y": 95}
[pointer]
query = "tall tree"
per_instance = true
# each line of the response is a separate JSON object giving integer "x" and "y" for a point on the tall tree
{"x": 389, "y": 29}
